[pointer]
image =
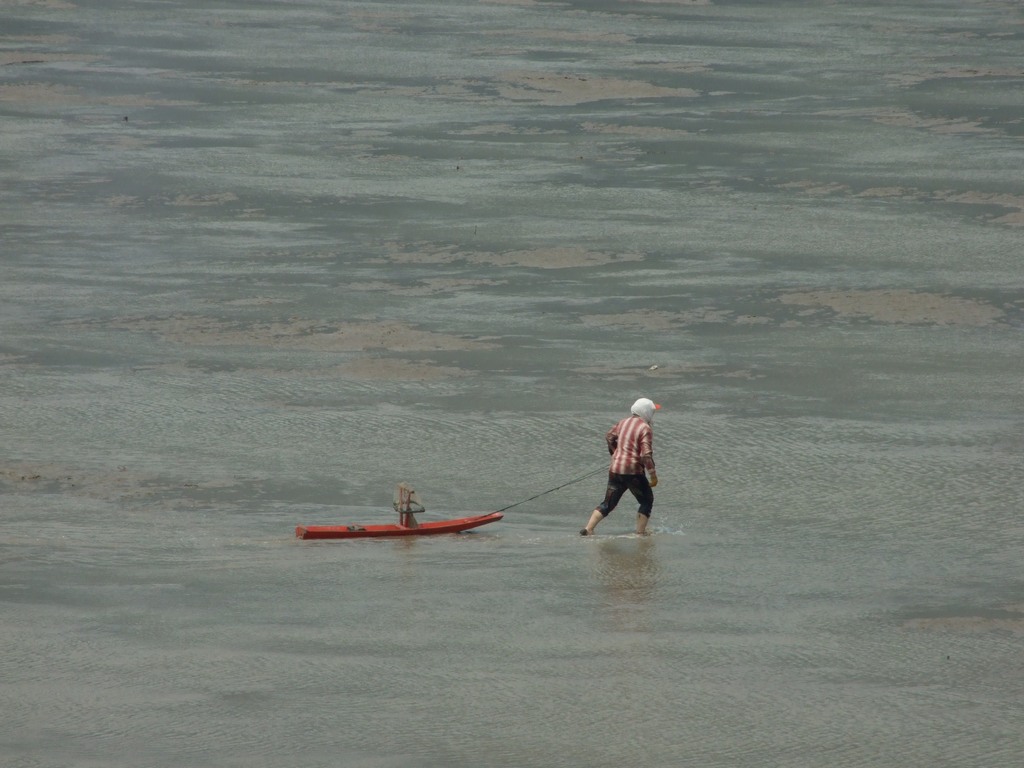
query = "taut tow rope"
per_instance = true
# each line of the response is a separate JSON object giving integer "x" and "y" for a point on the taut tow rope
{"x": 602, "y": 468}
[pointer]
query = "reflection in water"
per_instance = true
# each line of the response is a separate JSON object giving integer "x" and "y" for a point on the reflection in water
{"x": 628, "y": 570}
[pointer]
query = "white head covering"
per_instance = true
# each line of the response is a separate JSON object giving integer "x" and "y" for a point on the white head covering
{"x": 645, "y": 409}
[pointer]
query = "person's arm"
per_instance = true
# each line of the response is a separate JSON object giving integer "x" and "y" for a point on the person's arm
{"x": 647, "y": 455}
{"x": 612, "y": 439}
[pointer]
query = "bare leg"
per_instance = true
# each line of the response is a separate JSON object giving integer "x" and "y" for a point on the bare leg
{"x": 595, "y": 518}
{"x": 641, "y": 524}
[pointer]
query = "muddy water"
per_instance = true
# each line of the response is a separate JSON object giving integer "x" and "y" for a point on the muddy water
{"x": 260, "y": 262}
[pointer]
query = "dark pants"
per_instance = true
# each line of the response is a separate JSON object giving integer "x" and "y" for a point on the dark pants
{"x": 635, "y": 484}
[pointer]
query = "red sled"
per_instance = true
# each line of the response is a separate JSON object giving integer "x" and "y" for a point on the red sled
{"x": 429, "y": 528}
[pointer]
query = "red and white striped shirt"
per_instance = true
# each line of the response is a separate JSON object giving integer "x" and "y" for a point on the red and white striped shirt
{"x": 631, "y": 444}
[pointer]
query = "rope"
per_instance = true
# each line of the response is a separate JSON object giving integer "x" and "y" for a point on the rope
{"x": 602, "y": 468}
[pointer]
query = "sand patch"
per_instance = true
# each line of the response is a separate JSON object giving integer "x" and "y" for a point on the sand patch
{"x": 578, "y": 36}
{"x": 109, "y": 483}
{"x": 536, "y": 258}
{"x": 125, "y": 142}
{"x": 49, "y": 93}
{"x": 379, "y": 22}
{"x": 369, "y": 368}
{"x": 886, "y": 192}
{"x": 818, "y": 188}
{"x": 429, "y": 287}
{"x": 904, "y": 118}
{"x": 907, "y": 119}
{"x": 391, "y": 369}
{"x": 567, "y": 35}
{"x": 1013, "y": 203}
{"x": 642, "y": 320}
{"x": 523, "y": 3}
{"x": 204, "y": 200}
{"x": 59, "y": 5}
{"x": 1009, "y": 623}
{"x": 137, "y": 100}
{"x": 683, "y": 67}
{"x": 40, "y": 93}
{"x": 27, "y": 58}
{"x": 254, "y": 301}
{"x": 900, "y": 307}
{"x": 637, "y": 320}
{"x": 1015, "y": 219}
{"x": 954, "y": 73}
{"x": 122, "y": 201}
{"x": 506, "y": 129}
{"x": 568, "y": 89}
{"x": 40, "y": 39}
{"x": 297, "y": 334}
{"x": 540, "y": 88}
{"x": 558, "y": 258}
{"x": 638, "y": 131}
{"x": 668, "y": 370}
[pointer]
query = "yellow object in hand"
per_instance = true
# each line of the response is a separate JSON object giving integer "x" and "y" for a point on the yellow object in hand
{"x": 654, "y": 479}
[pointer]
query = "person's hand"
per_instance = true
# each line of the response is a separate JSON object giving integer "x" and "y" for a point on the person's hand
{"x": 654, "y": 479}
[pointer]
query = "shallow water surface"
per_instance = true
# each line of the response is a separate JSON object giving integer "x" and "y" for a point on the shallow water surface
{"x": 260, "y": 262}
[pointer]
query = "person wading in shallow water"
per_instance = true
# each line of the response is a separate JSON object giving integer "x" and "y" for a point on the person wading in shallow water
{"x": 631, "y": 444}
